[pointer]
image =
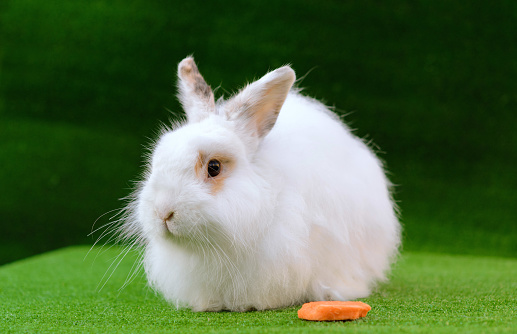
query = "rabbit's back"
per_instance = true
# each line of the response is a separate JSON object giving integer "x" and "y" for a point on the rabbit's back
{"x": 311, "y": 146}
{"x": 348, "y": 225}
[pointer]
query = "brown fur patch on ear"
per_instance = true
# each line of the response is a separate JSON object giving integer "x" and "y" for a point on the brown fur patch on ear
{"x": 190, "y": 74}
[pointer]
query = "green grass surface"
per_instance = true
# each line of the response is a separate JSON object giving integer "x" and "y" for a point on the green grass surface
{"x": 59, "y": 292}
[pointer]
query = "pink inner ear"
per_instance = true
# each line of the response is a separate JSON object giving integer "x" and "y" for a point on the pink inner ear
{"x": 266, "y": 113}
{"x": 257, "y": 106}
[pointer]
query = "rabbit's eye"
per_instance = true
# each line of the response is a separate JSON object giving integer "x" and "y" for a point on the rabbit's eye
{"x": 214, "y": 168}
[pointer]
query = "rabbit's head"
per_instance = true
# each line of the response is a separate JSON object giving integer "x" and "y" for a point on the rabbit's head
{"x": 203, "y": 185}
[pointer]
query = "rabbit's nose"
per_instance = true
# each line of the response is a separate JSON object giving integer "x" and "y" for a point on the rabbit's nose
{"x": 169, "y": 216}
{"x": 164, "y": 215}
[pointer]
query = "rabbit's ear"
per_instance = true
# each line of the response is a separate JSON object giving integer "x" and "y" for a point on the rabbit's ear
{"x": 257, "y": 106}
{"x": 195, "y": 94}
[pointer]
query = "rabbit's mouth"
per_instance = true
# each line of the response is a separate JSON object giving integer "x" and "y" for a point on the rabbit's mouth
{"x": 171, "y": 226}
{"x": 176, "y": 228}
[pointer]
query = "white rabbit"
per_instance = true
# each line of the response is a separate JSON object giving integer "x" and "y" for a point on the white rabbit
{"x": 261, "y": 201}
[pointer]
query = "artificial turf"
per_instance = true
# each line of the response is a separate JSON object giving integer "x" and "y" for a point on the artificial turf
{"x": 60, "y": 292}
{"x": 83, "y": 85}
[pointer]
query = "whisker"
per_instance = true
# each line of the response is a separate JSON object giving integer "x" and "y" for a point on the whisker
{"x": 118, "y": 258}
{"x": 110, "y": 228}
{"x": 135, "y": 268}
{"x": 110, "y": 211}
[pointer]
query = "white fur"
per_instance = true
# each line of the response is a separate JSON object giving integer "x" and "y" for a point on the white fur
{"x": 304, "y": 215}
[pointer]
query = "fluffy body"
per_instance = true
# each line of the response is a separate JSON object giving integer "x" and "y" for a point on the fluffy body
{"x": 303, "y": 213}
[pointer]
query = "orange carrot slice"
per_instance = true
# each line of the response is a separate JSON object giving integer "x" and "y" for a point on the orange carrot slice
{"x": 333, "y": 310}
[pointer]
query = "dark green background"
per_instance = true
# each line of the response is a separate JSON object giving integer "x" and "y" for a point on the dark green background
{"x": 85, "y": 84}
